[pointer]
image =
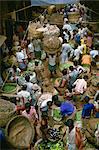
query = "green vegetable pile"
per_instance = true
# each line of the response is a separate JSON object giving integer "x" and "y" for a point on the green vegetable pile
{"x": 8, "y": 88}
{"x": 51, "y": 146}
{"x": 57, "y": 114}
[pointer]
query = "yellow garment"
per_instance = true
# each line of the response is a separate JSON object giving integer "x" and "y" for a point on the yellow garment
{"x": 84, "y": 45}
{"x": 86, "y": 59}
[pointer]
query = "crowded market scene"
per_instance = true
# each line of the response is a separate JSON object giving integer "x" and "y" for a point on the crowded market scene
{"x": 49, "y": 80}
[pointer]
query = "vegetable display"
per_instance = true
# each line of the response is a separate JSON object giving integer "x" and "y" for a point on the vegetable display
{"x": 51, "y": 146}
{"x": 9, "y": 87}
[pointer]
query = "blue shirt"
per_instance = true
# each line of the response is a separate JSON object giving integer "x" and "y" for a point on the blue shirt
{"x": 86, "y": 112}
{"x": 66, "y": 108}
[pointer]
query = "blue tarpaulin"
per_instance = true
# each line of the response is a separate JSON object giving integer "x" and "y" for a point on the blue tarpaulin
{"x": 50, "y": 2}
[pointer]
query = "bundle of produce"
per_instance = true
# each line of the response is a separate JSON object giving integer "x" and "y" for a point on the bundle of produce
{"x": 7, "y": 111}
{"x": 51, "y": 30}
{"x": 51, "y": 45}
{"x": 20, "y": 132}
{"x": 33, "y": 32}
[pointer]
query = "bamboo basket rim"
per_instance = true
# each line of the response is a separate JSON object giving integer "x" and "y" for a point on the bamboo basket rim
{"x": 7, "y": 127}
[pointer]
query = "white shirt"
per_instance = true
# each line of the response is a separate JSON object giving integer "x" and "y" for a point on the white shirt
{"x": 52, "y": 60}
{"x": 81, "y": 85}
{"x": 80, "y": 69}
{"x": 66, "y": 36}
{"x": 66, "y": 48}
{"x": 31, "y": 48}
{"x": 24, "y": 52}
{"x": 67, "y": 26}
{"x": 94, "y": 53}
{"x": 42, "y": 102}
{"x": 29, "y": 86}
{"x": 20, "y": 56}
{"x": 25, "y": 95}
{"x": 71, "y": 139}
{"x": 77, "y": 53}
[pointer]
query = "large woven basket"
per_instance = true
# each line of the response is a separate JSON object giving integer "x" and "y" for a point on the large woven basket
{"x": 7, "y": 111}
{"x": 51, "y": 45}
{"x": 73, "y": 17}
{"x": 20, "y": 132}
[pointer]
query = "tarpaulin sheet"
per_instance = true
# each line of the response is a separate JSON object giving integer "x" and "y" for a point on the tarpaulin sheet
{"x": 50, "y": 2}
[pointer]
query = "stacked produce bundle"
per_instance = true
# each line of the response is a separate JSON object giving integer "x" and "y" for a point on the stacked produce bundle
{"x": 32, "y": 31}
{"x": 52, "y": 44}
{"x": 51, "y": 30}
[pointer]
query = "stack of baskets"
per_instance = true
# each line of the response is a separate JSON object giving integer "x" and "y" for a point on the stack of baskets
{"x": 32, "y": 31}
{"x": 73, "y": 17}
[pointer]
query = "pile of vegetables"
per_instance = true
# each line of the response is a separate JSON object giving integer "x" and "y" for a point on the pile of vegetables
{"x": 50, "y": 146}
{"x": 8, "y": 88}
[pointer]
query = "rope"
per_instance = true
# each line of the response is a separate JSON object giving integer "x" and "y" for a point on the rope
{"x": 92, "y": 10}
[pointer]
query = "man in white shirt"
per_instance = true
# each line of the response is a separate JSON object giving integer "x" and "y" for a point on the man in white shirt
{"x": 66, "y": 49}
{"x": 21, "y": 59}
